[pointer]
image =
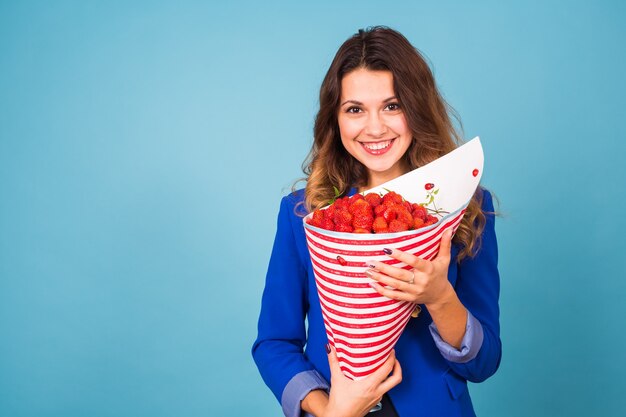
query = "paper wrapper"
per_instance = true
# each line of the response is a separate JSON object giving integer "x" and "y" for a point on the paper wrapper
{"x": 361, "y": 324}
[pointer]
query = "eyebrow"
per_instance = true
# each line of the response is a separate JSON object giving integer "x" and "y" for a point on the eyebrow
{"x": 360, "y": 104}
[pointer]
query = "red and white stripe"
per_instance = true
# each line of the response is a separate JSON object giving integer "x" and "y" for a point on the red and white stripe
{"x": 361, "y": 324}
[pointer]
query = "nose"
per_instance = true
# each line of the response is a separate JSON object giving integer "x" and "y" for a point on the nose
{"x": 375, "y": 125}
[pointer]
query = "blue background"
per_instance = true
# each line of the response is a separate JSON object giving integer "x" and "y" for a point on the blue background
{"x": 144, "y": 147}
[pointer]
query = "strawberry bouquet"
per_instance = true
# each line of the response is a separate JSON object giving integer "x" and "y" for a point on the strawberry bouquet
{"x": 406, "y": 213}
{"x": 372, "y": 213}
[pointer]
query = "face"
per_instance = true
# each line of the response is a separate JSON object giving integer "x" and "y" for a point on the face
{"x": 372, "y": 125}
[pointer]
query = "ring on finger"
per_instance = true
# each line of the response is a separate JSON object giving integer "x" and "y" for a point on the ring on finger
{"x": 412, "y": 277}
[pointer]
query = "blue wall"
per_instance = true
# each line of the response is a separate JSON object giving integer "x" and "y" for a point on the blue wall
{"x": 144, "y": 148}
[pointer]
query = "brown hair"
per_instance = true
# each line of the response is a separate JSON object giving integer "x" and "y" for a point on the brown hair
{"x": 427, "y": 114}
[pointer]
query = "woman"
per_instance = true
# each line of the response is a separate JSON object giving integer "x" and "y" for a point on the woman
{"x": 381, "y": 116}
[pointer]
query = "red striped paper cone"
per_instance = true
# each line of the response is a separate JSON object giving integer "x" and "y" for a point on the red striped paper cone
{"x": 361, "y": 324}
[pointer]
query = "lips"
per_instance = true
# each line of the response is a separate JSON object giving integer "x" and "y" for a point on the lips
{"x": 377, "y": 148}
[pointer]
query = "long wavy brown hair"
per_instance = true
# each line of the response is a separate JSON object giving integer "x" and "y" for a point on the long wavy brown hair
{"x": 428, "y": 116}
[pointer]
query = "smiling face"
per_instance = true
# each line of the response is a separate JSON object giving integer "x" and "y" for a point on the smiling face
{"x": 372, "y": 125}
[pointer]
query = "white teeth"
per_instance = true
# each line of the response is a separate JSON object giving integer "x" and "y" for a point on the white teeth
{"x": 377, "y": 146}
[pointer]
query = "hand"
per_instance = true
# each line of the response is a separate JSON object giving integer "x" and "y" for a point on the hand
{"x": 427, "y": 281}
{"x": 350, "y": 398}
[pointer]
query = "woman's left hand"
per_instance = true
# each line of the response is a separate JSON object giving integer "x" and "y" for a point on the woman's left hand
{"x": 427, "y": 281}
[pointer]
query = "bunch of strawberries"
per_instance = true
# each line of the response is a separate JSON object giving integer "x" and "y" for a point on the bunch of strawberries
{"x": 371, "y": 213}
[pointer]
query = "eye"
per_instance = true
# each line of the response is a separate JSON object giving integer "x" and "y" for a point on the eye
{"x": 353, "y": 110}
{"x": 392, "y": 107}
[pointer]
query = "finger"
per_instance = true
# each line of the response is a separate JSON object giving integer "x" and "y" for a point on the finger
{"x": 394, "y": 379}
{"x": 385, "y": 369}
{"x": 385, "y": 280}
{"x": 333, "y": 361}
{"x": 446, "y": 246}
{"x": 389, "y": 270}
{"x": 391, "y": 293}
{"x": 407, "y": 258}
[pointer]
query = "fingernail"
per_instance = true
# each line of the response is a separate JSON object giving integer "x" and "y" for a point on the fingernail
{"x": 328, "y": 348}
{"x": 370, "y": 264}
{"x": 373, "y": 285}
{"x": 387, "y": 251}
{"x": 369, "y": 272}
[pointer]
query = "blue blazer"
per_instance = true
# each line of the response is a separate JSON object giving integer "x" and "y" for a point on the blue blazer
{"x": 431, "y": 384}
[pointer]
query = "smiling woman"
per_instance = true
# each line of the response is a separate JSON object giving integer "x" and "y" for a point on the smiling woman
{"x": 381, "y": 116}
{"x": 372, "y": 125}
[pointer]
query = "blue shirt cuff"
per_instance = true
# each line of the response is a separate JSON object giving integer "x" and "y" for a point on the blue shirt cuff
{"x": 298, "y": 388}
{"x": 470, "y": 345}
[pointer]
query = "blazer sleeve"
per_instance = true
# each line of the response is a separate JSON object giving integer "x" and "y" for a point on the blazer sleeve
{"x": 279, "y": 348}
{"x": 478, "y": 288}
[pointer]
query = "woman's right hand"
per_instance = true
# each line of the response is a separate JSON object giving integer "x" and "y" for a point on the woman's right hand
{"x": 350, "y": 398}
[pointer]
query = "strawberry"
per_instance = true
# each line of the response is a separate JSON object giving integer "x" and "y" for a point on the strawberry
{"x": 329, "y": 213}
{"x": 360, "y": 205}
{"x": 356, "y": 197}
{"x": 374, "y": 199}
{"x": 418, "y": 222}
{"x": 405, "y": 216}
{"x": 318, "y": 216}
{"x": 363, "y": 220}
{"x": 399, "y": 212}
{"x": 417, "y": 210}
{"x": 342, "y": 203}
{"x": 342, "y": 217}
{"x": 430, "y": 220}
{"x": 327, "y": 224}
{"x": 312, "y": 222}
{"x": 390, "y": 213}
{"x": 341, "y": 227}
{"x": 392, "y": 197}
{"x": 380, "y": 225}
{"x": 316, "y": 219}
{"x": 397, "y": 226}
